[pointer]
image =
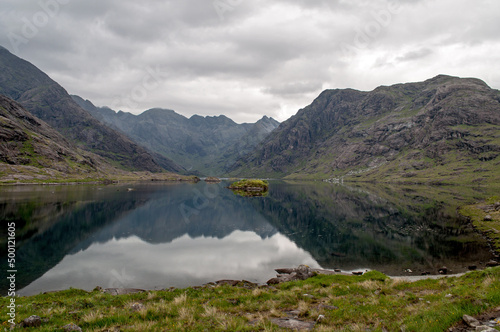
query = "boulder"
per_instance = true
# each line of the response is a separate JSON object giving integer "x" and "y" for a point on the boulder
{"x": 32, "y": 321}
{"x": 302, "y": 272}
{"x": 72, "y": 327}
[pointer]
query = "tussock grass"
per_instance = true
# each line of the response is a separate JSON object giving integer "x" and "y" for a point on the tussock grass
{"x": 348, "y": 303}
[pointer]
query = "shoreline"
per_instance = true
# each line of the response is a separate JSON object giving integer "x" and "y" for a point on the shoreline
{"x": 233, "y": 282}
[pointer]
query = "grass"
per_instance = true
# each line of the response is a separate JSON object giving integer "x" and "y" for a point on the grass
{"x": 244, "y": 184}
{"x": 477, "y": 213}
{"x": 250, "y": 188}
{"x": 348, "y": 303}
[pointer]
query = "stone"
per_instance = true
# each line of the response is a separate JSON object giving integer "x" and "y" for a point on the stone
{"x": 443, "y": 270}
{"x": 302, "y": 272}
{"x": 327, "y": 307}
{"x": 492, "y": 263}
{"x": 485, "y": 329}
{"x": 471, "y": 321}
{"x": 212, "y": 179}
{"x": 72, "y": 327}
{"x": 472, "y": 267}
{"x": 289, "y": 323}
{"x": 488, "y": 218}
{"x": 137, "y": 307}
{"x": 32, "y": 321}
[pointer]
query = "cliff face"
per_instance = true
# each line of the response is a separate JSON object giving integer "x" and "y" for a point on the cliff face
{"x": 399, "y": 131}
{"x": 202, "y": 145}
{"x": 48, "y": 101}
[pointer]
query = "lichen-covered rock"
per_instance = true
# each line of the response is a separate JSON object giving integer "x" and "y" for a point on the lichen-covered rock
{"x": 32, "y": 321}
{"x": 72, "y": 327}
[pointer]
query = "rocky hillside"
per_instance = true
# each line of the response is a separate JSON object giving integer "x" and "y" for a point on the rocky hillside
{"x": 202, "y": 145}
{"x": 47, "y": 100}
{"x": 31, "y": 144}
{"x": 443, "y": 129}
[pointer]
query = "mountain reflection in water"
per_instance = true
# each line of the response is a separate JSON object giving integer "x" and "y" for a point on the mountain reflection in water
{"x": 157, "y": 236}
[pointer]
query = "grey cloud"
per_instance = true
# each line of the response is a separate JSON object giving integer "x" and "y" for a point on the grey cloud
{"x": 296, "y": 88}
{"x": 415, "y": 55}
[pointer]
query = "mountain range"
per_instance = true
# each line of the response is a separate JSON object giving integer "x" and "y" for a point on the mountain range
{"x": 48, "y": 101}
{"x": 442, "y": 130}
{"x": 445, "y": 129}
{"x": 202, "y": 145}
{"x": 29, "y": 145}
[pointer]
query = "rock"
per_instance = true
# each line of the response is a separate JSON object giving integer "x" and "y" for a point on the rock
{"x": 492, "y": 263}
{"x": 285, "y": 271}
{"x": 122, "y": 291}
{"x": 488, "y": 218}
{"x": 327, "y": 307}
{"x": 72, "y": 327}
{"x": 471, "y": 321}
{"x": 303, "y": 272}
{"x": 137, "y": 307}
{"x": 358, "y": 273}
{"x": 472, "y": 267}
{"x": 231, "y": 283}
{"x": 32, "y": 321}
{"x": 443, "y": 270}
{"x": 293, "y": 313}
{"x": 295, "y": 324}
{"x": 320, "y": 318}
{"x": 484, "y": 328}
{"x": 211, "y": 179}
{"x": 237, "y": 283}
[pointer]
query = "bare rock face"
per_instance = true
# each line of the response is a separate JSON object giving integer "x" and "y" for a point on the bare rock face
{"x": 402, "y": 129}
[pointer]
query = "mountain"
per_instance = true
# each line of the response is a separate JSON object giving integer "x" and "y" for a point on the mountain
{"x": 446, "y": 129}
{"x": 48, "y": 101}
{"x": 203, "y": 145}
{"x": 30, "y": 147}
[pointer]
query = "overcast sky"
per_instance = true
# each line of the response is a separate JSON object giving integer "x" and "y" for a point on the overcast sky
{"x": 248, "y": 58}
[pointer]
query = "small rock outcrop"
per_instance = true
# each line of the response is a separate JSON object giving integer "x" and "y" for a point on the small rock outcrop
{"x": 72, "y": 327}
{"x": 32, "y": 321}
{"x": 302, "y": 272}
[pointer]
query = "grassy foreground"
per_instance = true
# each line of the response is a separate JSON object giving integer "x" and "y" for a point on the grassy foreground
{"x": 348, "y": 303}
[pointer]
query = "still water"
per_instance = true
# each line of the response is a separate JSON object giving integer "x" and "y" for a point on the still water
{"x": 156, "y": 236}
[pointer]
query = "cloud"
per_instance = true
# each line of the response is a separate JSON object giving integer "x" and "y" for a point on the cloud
{"x": 255, "y": 58}
{"x": 415, "y": 55}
